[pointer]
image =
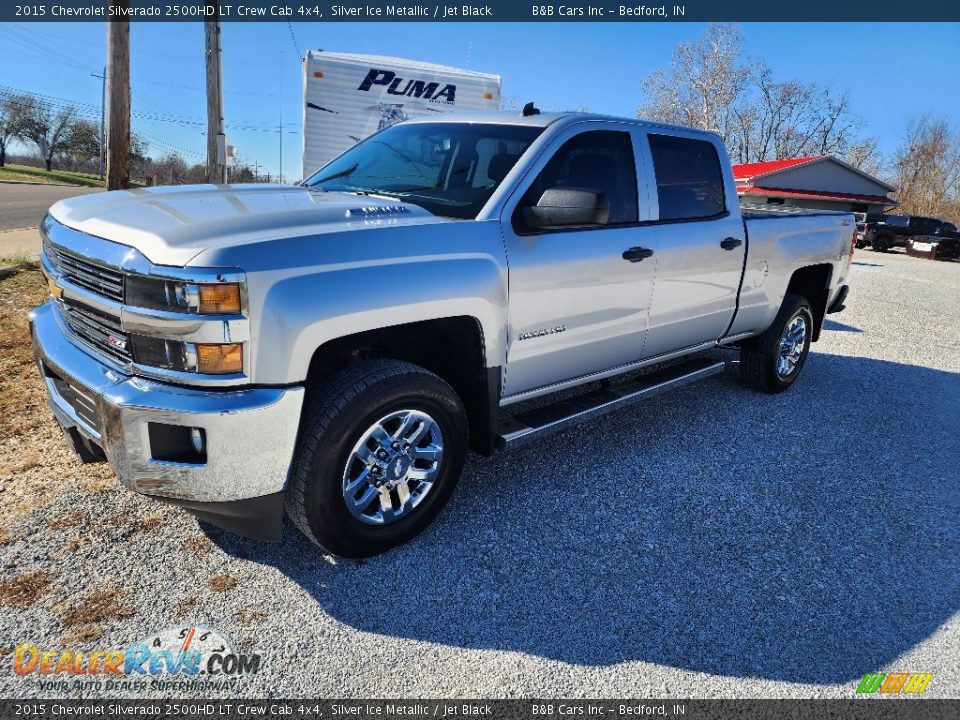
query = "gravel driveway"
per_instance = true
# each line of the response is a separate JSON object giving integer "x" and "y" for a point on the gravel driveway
{"x": 710, "y": 543}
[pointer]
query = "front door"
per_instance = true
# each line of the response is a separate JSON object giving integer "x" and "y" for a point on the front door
{"x": 577, "y": 305}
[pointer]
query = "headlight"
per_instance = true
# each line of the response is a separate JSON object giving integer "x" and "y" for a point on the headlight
{"x": 207, "y": 358}
{"x": 177, "y": 296}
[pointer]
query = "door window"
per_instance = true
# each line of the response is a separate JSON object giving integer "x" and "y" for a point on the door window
{"x": 689, "y": 179}
{"x": 600, "y": 161}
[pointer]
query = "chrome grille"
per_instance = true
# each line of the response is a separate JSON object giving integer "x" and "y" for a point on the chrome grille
{"x": 88, "y": 275}
{"x": 100, "y": 330}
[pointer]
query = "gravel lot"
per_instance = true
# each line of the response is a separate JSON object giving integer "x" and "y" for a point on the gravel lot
{"x": 710, "y": 543}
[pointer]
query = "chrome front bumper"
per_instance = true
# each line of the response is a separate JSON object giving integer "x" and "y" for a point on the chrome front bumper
{"x": 250, "y": 434}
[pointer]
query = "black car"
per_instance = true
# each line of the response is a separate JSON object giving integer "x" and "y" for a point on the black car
{"x": 895, "y": 229}
{"x": 865, "y": 222}
{"x": 934, "y": 246}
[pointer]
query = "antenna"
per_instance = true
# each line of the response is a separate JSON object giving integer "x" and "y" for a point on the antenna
{"x": 530, "y": 109}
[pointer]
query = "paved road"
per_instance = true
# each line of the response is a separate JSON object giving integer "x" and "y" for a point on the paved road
{"x": 714, "y": 542}
{"x": 23, "y": 205}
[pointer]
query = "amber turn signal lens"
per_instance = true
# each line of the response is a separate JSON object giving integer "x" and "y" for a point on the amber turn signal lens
{"x": 220, "y": 298}
{"x": 220, "y": 359}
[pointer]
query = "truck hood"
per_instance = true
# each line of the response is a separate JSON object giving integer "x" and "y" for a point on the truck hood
{"x": 171, "y": 225}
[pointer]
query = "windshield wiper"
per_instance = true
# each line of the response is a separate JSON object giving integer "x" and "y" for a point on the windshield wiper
{"x": 343, "y": 173}
{"x": 413, "y": 163}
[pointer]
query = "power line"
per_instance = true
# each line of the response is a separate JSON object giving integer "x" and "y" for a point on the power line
{"x": 156, "y": 115}
{"x": 38, "y": 44}
{"x": 293, "y": 37}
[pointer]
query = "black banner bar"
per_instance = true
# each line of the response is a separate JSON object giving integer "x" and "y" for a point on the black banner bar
{"x": 305, "y": 709}
{"x": 862, "y": 11}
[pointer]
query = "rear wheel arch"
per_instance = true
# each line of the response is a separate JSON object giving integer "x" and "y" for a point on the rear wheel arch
{"x": 813, "y": 283}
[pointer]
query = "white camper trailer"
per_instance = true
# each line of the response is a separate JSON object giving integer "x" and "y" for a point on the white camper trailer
{"x": 347, "y": 97}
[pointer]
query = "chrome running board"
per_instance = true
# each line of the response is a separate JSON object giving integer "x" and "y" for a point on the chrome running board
{"x": 540, "y": 422}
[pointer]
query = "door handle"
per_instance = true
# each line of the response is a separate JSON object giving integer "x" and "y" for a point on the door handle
{"x": 636, "y": 254}
{"x": 730, "y": 243}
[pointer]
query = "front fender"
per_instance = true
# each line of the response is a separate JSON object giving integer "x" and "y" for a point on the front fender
{"x": 304, "y": 312}
{"x": 306, "y": 291}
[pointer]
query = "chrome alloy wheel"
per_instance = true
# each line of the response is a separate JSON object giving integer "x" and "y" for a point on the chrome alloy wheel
{"x": 792, "y": 342}
{"x": 393, "y": 467}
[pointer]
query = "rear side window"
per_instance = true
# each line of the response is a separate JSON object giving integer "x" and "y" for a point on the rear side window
{"x": 689, "y": 179}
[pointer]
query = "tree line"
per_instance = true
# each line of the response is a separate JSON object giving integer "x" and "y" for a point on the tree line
{"x": 713, "y": 84}
{"x": 63, "y": 140}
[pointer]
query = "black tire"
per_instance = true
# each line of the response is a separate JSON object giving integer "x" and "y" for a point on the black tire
{"x": 759, "y": 356}
{"x": 881, "y": 244}
{"x": 334, "y": 420}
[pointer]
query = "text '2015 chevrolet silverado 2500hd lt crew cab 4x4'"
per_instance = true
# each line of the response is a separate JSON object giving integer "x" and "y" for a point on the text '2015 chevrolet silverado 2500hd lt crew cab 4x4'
{"x": 334, "y": 348}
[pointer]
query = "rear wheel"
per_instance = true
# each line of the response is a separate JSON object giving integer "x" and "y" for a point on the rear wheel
{"x": 772, "y": 362}
{"x": 381, "y": 448}
{"x": 881, "y": 244}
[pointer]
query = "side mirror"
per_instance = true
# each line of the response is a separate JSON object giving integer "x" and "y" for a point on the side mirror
{"x": 567, "y": 207}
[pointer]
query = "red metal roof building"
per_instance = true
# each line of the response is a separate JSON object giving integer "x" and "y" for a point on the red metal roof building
{"x": 820, "y": 182}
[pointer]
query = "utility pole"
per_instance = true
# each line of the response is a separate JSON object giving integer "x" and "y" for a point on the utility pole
{"x": 280, "y": 120}
{"x": 103, "y": 117}
{"x": 118, "y": 78}
{"x": 216, "y": 136}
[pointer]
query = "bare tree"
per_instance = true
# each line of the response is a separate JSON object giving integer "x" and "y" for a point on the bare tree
{"x": 11, "y": 119}
{"x": 927, "y": 169}
{"x": 47, "y": 127}
{"x": 83, "y": 143}
{"x": 713, "y": 84}
{"x": 865, "y": 155}
{"x": 705, "y": 83}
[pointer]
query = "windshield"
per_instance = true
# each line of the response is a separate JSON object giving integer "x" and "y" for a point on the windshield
{"x": 448, "y": 168}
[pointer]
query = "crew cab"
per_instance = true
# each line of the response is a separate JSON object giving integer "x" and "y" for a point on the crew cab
{"x": 335, "y": 348}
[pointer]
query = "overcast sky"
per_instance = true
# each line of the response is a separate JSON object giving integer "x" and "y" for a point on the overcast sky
{"x": 894, "y": 72}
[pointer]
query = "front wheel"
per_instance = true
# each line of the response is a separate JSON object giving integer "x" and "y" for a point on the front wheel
{"x": 772, "y": 361}
{"x": 381, "y": 448}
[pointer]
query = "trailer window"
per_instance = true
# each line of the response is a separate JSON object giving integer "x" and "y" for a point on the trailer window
{"x": 689, "y": 179}
{"x": 450, "y": 168}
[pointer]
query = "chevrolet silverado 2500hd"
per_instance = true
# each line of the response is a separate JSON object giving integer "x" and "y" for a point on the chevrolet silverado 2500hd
{"x": 334, "y": 348}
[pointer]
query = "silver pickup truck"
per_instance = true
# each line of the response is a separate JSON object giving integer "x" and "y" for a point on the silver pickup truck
{"x": 334, "y": 348}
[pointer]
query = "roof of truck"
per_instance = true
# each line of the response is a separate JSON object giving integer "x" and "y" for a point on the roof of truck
{"x": 543, "y": 119}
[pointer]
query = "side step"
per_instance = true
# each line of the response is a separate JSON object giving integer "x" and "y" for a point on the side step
{"x": 534, "y": 424}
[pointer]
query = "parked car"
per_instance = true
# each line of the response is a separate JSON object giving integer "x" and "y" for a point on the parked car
{"x": 934, "y": 247}
{"x": 895, "y": 230}
{"x": 335, "y": 348}
{"x": 865, "y": 222}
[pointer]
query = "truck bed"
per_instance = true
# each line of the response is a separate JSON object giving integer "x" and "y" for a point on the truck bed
{"x": 765, "y": 212}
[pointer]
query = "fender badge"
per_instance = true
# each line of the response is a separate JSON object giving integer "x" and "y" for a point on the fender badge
{"x": 542, "y": 333}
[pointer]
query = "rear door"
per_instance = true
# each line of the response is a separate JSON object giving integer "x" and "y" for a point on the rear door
{"x": 577, "y": 305}
{"x": 700, "y": 241}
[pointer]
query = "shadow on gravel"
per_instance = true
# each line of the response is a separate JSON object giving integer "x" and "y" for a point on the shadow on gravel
{"x": 840, "y": 327}
{"x": 806, "y": 537}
